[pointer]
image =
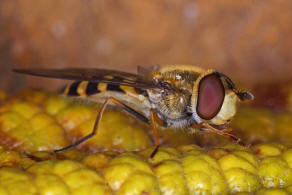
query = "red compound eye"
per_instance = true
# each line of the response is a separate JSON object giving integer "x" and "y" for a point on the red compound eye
{"x": 211, "y": 95}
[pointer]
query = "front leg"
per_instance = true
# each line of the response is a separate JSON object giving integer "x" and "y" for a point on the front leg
{"x": 225, "y": 132}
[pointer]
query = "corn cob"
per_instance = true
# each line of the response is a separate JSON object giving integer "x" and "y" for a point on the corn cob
{"x": 34, "y": 123}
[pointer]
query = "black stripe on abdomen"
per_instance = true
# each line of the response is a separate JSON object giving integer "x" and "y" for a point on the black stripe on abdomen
{"x": 92, "y": 88}
{"x": 116, "y": 88}
{"x": 73, "y": 89}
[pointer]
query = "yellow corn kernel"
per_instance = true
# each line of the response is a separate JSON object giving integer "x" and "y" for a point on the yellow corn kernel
{"x": 275, "y": 173}
{"x": 17, "y": 182}
{"x": 51, "y": 184}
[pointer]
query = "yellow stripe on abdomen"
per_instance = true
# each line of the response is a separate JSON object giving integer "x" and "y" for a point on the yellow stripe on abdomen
{"x": 129, "y": 91}
{"x": 82, "y": 88}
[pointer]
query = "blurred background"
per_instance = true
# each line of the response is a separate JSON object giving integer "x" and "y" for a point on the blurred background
{"x": 248, "y": 40}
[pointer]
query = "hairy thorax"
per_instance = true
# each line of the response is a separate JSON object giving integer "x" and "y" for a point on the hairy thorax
{"x": 172, "y": 106}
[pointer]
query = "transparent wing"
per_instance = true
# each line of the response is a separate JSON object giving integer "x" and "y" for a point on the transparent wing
{"x": 94, "y": 75}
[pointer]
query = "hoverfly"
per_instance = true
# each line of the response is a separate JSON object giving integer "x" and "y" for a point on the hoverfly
{"x": 177, "y": 96}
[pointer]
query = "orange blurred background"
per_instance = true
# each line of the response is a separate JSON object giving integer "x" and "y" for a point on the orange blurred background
{"x": 248, "y": 40}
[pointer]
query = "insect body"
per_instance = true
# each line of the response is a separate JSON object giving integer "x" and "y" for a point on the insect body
{"x": 172, "y": 96}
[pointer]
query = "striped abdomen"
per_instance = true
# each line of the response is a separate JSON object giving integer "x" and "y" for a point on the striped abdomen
{"x": 87, "y": 88}
{"x": 97, "y": 92}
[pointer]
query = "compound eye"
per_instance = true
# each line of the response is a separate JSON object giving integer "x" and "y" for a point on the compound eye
{"x": 211, "y": 95}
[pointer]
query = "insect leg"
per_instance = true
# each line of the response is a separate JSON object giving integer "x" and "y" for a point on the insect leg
{"x": 209, "y": 128}
{"x": 155, "y": 118}
{"x": 98, "y": 118}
